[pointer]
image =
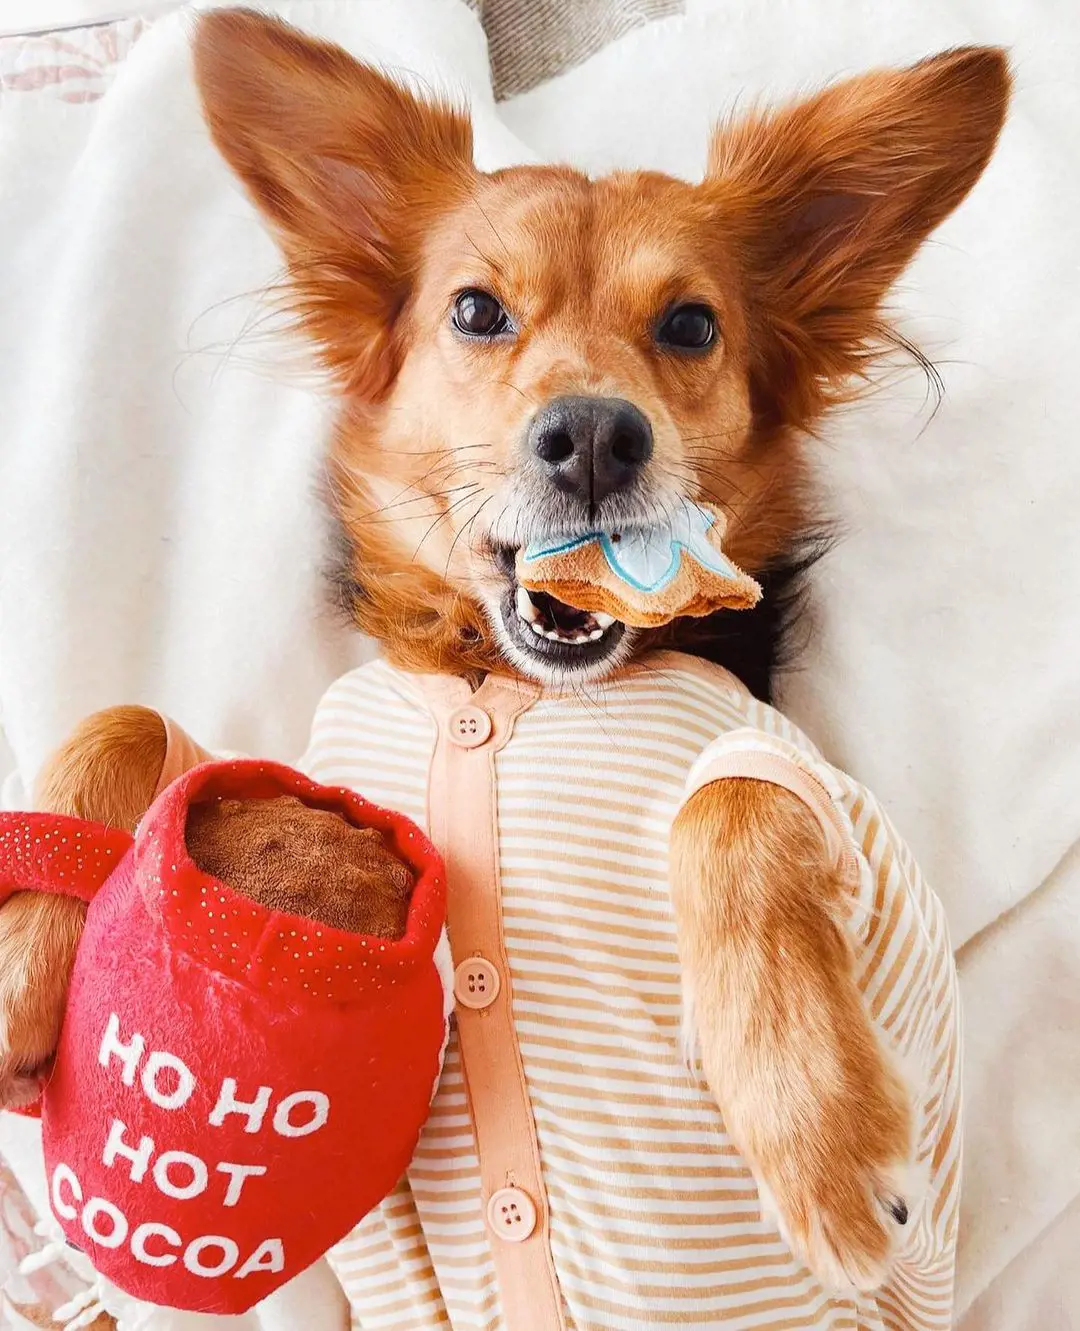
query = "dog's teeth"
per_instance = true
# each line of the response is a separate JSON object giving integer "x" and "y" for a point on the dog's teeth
{"x": 528, "y": 612}
{"x": 523, "y": 603}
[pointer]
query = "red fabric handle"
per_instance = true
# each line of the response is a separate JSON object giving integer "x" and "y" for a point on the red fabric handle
{"x": 49, "y": 852}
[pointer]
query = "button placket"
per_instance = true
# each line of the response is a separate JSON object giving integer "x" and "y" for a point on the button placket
{"x": 462, "y": 815}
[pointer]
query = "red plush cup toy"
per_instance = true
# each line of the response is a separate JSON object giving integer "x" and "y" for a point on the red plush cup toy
{"x": 235, "y": 1088}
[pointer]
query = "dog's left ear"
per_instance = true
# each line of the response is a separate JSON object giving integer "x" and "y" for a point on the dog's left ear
{"x": 348, "y": 167}
{"x": 827, "y": 201}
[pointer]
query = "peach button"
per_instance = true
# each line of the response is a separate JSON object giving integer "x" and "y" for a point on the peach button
{"x": 476, "y": 983}
{"x": 469, "y": 727}
{"x": 511, "y": 1215}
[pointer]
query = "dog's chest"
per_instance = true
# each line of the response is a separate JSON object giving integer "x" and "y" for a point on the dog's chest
{"x": 553, "y": 815}
{"x": 573, "y": 793}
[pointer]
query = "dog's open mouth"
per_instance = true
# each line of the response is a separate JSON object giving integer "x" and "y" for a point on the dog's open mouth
{"x": 552, "y": 632}
{"x": 555, "y": 632}
{"x": 558, "y": 622}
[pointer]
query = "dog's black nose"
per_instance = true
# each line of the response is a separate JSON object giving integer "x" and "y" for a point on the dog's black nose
{"x": 591, "y": 446}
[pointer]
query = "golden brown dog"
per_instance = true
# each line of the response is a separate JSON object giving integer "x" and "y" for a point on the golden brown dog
{"x": 519, "y": 353}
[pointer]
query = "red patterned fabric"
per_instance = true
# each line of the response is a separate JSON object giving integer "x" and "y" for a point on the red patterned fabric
{"x": 235, "y": 1087}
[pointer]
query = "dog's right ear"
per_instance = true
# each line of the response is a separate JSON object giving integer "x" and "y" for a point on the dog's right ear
{"x": 827, "y": 201}
{"x": 348, "y": 167}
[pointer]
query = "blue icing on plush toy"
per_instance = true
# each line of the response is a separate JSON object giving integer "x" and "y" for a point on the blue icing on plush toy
{"x": 648, "y": 559}
{"x": 642, "y": 576}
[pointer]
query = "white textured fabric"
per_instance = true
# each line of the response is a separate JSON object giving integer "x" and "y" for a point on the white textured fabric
{"x": 161, "y": 532}
{"x": 30, "y": 16}
{"x": 159, "y": 537}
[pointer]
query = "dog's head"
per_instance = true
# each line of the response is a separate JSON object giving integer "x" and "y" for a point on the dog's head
{"x": 530, "y": 352}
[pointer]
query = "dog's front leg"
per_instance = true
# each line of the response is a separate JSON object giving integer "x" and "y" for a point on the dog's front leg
{"x": 106, "y": 771}
{"x": 786, "y": 1044}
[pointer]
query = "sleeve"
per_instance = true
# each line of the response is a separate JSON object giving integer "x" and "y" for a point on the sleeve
{"x": 182, "y": 753}
{"x": 903, "y": 966}
{"x": 758, "y": 756}
{"x": 337, "y": 729}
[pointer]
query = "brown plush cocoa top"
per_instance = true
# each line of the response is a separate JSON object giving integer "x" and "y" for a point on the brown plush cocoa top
{"x": 310, "y": 862}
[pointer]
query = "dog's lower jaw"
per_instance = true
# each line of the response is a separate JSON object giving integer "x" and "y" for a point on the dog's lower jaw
{"x": 593, "y": 666}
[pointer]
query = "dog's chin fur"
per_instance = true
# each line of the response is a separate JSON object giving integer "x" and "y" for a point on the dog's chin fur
{"x": 568, "y": 677}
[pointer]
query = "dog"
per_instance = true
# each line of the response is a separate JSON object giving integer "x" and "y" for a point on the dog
{"x": 528, "y": 353}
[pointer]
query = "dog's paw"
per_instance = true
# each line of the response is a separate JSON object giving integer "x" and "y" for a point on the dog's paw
{"x": 846, "y": 1225}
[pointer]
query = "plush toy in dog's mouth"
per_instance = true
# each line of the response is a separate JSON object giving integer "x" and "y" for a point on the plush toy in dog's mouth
{"x": 571, "y": 599}
{"x": 578, "y": 588}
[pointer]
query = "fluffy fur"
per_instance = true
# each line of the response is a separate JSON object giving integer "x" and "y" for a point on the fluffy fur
{"x": 768, "y": 971}
{"x": 805, "y": 217}
{"x": 106, "y": 771}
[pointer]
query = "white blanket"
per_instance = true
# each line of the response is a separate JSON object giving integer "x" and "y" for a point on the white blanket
{"x": 161, "y": 539}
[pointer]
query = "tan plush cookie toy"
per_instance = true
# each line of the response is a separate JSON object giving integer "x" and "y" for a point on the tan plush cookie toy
{"x": 645, "y": 577}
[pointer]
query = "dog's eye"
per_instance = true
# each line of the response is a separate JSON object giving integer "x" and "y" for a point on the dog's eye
{"x": 689, "y": 327}
{"x": 478, "y": 314}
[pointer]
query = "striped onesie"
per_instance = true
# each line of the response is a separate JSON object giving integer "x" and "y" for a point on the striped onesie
{"x": 574, "y": 1175}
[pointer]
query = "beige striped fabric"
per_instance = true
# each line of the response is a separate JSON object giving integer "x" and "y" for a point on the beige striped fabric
{"x": 654, "y": 1216}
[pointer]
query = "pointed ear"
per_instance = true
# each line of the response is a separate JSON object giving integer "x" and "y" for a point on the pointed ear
{"x": 828, "y": 200}
{"x": 348, "y": 167}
